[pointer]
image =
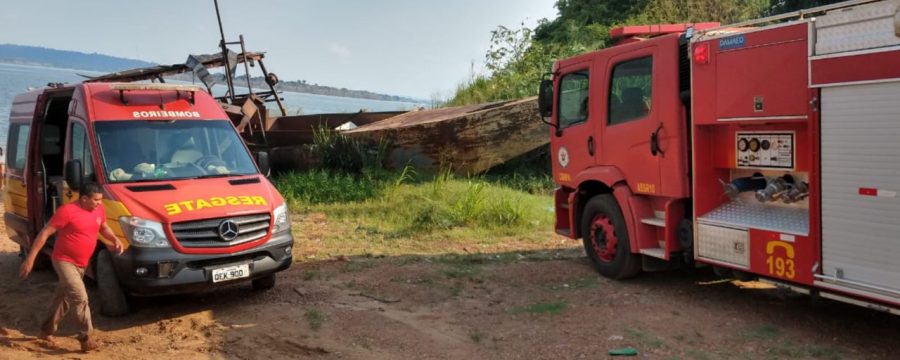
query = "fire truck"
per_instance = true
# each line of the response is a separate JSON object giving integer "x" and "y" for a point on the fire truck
{"x": 765, "y": 149}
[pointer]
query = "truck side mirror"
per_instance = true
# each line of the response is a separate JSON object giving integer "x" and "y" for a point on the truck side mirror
{"x": 73, "y": 174}
{"x": 545, "y": 98}
{"x": 262, "y": 161}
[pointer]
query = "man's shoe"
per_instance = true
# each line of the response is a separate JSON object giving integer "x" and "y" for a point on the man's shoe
{"x": 88, "y": 345}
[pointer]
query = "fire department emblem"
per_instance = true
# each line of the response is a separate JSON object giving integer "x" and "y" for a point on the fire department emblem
{"x": 563, "y": 157}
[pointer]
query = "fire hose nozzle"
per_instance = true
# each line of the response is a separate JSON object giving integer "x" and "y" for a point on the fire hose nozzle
{"x": 773, "y": 190}
{"x": 795, "y": 192}
{"x": 739, "y": 185}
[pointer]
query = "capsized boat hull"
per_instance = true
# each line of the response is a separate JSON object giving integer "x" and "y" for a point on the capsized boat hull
{"x": 468, "y": 139}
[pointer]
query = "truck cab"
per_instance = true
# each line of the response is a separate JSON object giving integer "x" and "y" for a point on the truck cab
{"x": 179, "y": 185}
{"x": 619, "y": 139}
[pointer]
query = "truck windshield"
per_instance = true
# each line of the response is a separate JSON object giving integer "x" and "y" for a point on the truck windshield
{"x": 168, "y": 150}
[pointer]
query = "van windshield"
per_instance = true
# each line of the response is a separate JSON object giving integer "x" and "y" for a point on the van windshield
{"x": 167, "y": 150}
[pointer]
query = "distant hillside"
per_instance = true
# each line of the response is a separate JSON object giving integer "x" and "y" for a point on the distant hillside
{"x": 32, "y": 55}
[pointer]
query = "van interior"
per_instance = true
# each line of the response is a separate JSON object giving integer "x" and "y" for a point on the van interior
{"x": 52, "y": 142}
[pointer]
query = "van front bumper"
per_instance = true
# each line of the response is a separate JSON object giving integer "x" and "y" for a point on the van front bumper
{"x": 164, "y": 271}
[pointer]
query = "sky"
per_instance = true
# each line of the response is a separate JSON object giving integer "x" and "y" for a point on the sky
{"x": 415, "y": 48}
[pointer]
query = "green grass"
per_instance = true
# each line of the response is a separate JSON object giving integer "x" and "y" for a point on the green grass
{"x": 551, "y": 308}
{"x": 476, "y": 336}
{"x": 315, "y": 319}
{"x": 392, "y": 213}
{"x": 645, "y": 338}
{"x": 765, "y": 332}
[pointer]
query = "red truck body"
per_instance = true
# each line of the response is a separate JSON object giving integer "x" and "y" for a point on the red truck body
{"x": 764, "y": 151}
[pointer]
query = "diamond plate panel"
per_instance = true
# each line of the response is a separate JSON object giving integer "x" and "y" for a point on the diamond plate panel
{"x": 724, "y": 244}
{"x": 746, "y": 215}
{"x": 857, "y": 28}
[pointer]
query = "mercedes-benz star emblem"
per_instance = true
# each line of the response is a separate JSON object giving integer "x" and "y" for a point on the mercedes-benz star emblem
{"x": 228, "y": 230}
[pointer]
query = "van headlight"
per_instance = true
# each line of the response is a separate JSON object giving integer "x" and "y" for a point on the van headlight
{"x": 282, "y": 219}
{"x": 143, "y": 233}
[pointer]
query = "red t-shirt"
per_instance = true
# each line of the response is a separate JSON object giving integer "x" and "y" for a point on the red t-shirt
{"x": 77, "y": 231}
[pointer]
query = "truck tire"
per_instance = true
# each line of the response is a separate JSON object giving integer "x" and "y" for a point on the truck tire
{"x": 264, "y": 283}
{"x": 605, "y": 238}
{"x": 113, "y": 301}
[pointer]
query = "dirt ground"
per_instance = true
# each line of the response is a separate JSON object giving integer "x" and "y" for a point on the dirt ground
{"x": 544, "y": 304}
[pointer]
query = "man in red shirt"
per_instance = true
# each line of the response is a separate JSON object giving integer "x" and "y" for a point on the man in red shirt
{"x": 77, "y": 226}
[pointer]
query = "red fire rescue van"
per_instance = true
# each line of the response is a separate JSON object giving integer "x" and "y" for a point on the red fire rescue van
{"x": 766, "y": 149}
{"x": 179, "y": 185}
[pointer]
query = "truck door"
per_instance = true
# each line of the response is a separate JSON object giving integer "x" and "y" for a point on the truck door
{"x": 632, "y": 118}
{"x": 78, "y": 148}
{"x": 573, "y": 143}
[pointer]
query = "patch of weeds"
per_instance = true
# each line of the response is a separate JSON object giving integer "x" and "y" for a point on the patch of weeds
{"x": 552, "y": 308}
{"x": 462, "y": 272}
{"x": 353, "y": 285}
{"x": 645, "y": 338}
{"x": 765, "y": 332}
{"x": 787, "y": 350}
{"x": 824, "y": 352}
{"x": 356, "y": 266}
{"x": 310, "y": 275}
{"x": 407, "y": 260}
{"x": 580, "y": 283}
{"x": 315, "y": 318}
{"x": 427, "y": 281}
{"x": 476, "y": 336}
{"x": 698, "y": 355}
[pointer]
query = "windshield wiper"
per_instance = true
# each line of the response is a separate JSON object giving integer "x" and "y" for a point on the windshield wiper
{"x": 210, "y": 176}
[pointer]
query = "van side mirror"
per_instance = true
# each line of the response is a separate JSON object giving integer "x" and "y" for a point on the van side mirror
{"x": 545, "y": 98}
{"x": 262, "y": 161}
{"x": 73, "y": 174}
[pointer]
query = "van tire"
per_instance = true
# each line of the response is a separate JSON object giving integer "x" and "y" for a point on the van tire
{"x": 264, "y": 283}
{"x": 606, "y": 240}
{"x": 113, "y": 301}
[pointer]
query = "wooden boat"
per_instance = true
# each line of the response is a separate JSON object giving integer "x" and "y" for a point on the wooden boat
{"x": 287, "y": 136}
{"x": 468, "y": 139}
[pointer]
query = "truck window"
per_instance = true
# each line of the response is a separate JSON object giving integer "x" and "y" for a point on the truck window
{"x": 630, "y": 90}
{"x": 81, "y": 150}
{"x": 573, "y": 99}
{"x": 17, "y": 147}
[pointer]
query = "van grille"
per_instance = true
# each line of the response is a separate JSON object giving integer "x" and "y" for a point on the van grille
{"x": 205, "y": 233}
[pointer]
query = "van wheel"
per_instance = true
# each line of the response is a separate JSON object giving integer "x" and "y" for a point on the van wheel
{"x": 264, "y": 283}
{"x": 605, "y": 238}
{"x": 112, "y": 299}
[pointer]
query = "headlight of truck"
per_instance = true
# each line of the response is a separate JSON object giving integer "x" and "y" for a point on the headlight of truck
{"x": 143, "y": 232}
{"x": 282, "y": 219}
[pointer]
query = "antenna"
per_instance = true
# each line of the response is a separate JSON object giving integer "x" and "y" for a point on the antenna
{"x": 225, "y": 54}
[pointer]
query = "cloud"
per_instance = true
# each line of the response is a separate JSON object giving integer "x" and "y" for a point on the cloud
{"x": 340, "y": 50}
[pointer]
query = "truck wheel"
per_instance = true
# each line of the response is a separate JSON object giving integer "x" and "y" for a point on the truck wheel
{"x": 264, "y": 283}
{"x": 605, "y": 238}
{"x": 112, "y": 299}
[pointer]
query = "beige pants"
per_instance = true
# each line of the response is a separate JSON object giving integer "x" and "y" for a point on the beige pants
{"x": 70, "y": 293}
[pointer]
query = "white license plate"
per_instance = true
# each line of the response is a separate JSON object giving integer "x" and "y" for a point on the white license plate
{"x": 230, "y": 273}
